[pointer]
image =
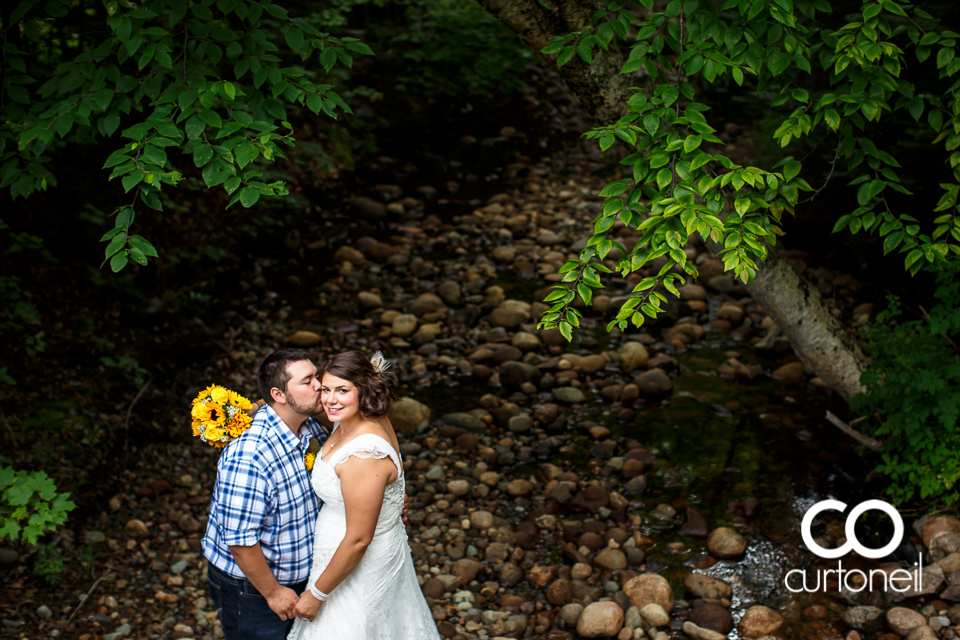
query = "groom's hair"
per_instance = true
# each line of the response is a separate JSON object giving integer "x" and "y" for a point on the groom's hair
{"x": 273, "y": 371}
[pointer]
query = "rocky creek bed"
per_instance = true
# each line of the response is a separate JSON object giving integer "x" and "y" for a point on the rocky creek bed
{"x": 628, "y": 485}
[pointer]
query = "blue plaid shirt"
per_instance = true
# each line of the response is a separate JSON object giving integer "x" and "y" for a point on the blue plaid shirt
{"x": 263, "y": 494}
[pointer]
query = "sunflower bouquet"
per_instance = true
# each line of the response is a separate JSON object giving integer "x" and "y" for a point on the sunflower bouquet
{"x": 219, "y": 415}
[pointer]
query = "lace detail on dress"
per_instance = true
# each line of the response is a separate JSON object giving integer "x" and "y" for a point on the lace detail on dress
{"x": 367, "y": 446}
{"x": 365, "y": 454}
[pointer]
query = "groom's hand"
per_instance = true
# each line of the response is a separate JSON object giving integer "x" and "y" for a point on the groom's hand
{"x": 283, "y": 602}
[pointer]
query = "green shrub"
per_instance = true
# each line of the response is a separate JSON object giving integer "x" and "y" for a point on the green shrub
{"x": 48, "y": 563}
{"x": 30, "y": 505}
{"x": 911, "y": 396}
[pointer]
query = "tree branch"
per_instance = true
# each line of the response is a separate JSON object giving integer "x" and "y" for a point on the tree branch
{"x": 865, "y": 440}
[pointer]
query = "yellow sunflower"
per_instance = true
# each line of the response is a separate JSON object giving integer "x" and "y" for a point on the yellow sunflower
{"x": 203, "y": 395}
{"x": 213, "y": 414}
{"x": 239, "y": 401}
{"x": 213, "y": 434}
{"x": 308, "y": 460}
{"x": 196, "y": 427}
{"x": 238, "y": 425}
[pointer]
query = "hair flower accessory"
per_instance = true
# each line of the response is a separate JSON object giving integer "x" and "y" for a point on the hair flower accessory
{"x": 380, "y": 364}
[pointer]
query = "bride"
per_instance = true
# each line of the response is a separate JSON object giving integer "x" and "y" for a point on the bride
{"x": 362, "y": 583}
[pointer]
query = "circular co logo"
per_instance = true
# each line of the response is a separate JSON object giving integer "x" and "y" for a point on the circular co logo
{"x": 852, "y": 542}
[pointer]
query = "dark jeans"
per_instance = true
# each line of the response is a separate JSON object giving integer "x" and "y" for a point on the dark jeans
{"x": 244, "y": 613}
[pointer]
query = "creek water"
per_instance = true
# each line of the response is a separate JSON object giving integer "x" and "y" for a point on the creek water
{"x": 718, "y": 441}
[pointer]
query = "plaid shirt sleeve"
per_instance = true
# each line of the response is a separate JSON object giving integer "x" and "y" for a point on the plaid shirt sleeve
{"x": 245, "y": 498}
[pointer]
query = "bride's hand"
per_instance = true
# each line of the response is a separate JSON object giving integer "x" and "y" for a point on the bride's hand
{"x": 308, "y": 607}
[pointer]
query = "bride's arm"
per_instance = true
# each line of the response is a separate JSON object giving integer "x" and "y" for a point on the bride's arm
{"x": 363, "y": 481}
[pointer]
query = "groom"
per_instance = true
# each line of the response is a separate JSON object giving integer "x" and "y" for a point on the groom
{"x": 259, "y": 538}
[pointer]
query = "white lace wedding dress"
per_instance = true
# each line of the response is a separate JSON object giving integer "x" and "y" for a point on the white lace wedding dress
{"x": 381, "y": 598}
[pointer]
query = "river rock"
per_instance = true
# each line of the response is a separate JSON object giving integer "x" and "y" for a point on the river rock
{"x": 188, "y": 524}
{"x": 707, "y": 586}
{"x": 458, "y": 487}
{"x": 692, "y": 292}
{"x": 450, "y": 291}
{"x": 466, "y": 569}
{"x": 510, "y": 574}
{"x": 369, "y": 300}
{"x": 425, "y": 303}
{"x": 481, "y": 520}
{"x": 611, "y": 559}
{"x": 591, "y": 364}
{"x": 599, "y": 620}
{"x": 433, "y": 588}
{"x": 923, "y": 632}
{"x": 655, "y": 615}
{"x": 759, "y": 621}
{"x": 902, "y": 620}
{"x": 570, "y": 613}
{"x": 519, "y": 487}
{"x": 466, "y": 421}
{"x": 790, "y": 373}
{"x": 570, "y": 395}
{"x": 407, "y": 414}
{"x": 933, "y": 527}
{"x": 943, "y": 545}
{"x": 404, "y": 325}
{"x": 592, "y": 498}
{"x": 546, "y": 237}
{"x": 861, "y": 617}
{"x": 507, "y": 318}
{"x": 724, "y": 542}
{"x": 348, "y": 254}
{"x": 426, "y": 333}
{"x": 654, "y": 382}
{"x": 9, "y": 556}
{"x": 632, "y": 356}
{"x": 696, "y": 525}
{"x": 711, "y": 616}
{"x": 305, "y": 339}
{"x": 699, "y": 633}
{"x": 647, "y": 588}
{"x": 525, "y": 341}
{"x": 514, "y": 374}
{"x": 558, "y": 593}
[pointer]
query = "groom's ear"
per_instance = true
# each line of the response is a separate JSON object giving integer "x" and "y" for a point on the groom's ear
{"x": 278, "y": 396}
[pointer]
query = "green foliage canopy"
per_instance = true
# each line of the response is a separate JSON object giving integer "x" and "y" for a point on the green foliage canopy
{"x": 201, "y": 81}
{"x": 839, "y": 80}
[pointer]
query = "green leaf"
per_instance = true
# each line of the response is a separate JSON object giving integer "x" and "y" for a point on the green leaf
{"x": 791, "y": 170}
{"x": 566, "y": 330}
{"x": 294, "y": 38}
{"x": 614, "y": 189}
{"x": 118, "y": 261}
{"x": 249, "y": 196}
{"x": 211, "y": 118}
{"x": 664, "y": 177}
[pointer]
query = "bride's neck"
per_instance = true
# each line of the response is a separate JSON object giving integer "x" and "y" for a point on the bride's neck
{"x": 349, "y": 424}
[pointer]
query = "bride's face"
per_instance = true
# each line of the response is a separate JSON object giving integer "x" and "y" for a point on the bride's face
{"x": 339, "y": 398}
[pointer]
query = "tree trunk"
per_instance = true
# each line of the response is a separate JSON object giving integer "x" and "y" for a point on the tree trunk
{"x": 824, "y": 345}
{"x": 819, "y": 340}
{"x": 599, "y": 86}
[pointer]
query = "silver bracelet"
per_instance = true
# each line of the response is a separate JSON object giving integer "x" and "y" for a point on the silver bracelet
{"x": 319, "y": 595}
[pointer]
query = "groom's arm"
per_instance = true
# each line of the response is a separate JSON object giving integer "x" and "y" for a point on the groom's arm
{"x": 254, "y": 565}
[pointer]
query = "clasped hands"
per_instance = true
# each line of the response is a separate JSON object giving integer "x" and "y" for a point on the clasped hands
{"x": 307, "y": 607}
{"x": 287, "y": 605}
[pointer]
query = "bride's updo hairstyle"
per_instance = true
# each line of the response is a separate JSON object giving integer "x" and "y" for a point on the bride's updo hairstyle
{"x": 375, "y": 395}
